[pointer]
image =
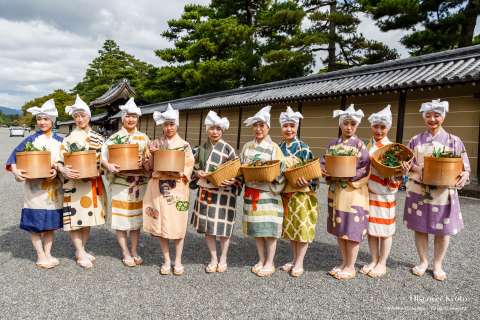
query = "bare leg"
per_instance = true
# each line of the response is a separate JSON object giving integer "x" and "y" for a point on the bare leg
{"x": 178, "y": 252}
{"x": 421, "y": 242}
{"x": 123, "y": 243}
{"x": 343, "y": 251}
{"x": 385, "y": 246}
{"x": 48, "y": 243}
{"x": 134, "y": 237}
{"x": 224, "y": 244}
{"x": 261, "y": 251}
{"x": 351, "y": 255}
{"x": 301, "y": 250}
{"x": 85, "y": 235}
{"x": 373, "y": 244}
{"x": 77, "y": 240}
{"x": 165, "y": 251}
{"x": 271, "y": 246}
{"x": 212, "y": 248}
{"x": 38, "y": 246}
{"x": 439, "y": 251}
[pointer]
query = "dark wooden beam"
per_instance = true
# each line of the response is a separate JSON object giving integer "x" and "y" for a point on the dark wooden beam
{"x": 402, "y": 102}
{"x": 300, "y": 109}
{"x": 239, "y": 130}
{"x": 186, "y": 124}
{"x": 200, "y": 133}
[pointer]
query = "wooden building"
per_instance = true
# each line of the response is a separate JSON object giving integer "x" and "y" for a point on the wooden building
{"x": 404, "y": 84}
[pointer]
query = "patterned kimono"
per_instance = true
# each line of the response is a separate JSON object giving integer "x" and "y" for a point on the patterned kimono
{"x": 214, "y": 209}
{"x": 43, "y": 199}
{"x": 432, "y": 209}
{"x": 127, "y": 188}
{"x": 84, "y": 199}
{"x": 381, "y": 216}
{"x": 300, "y": 204}
{"x": 166, "y": 201}
{"x": 348, "y": 202}
{"x": 262, "y": 208}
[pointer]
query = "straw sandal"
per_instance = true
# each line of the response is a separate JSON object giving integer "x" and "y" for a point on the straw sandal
{"x": 85, "y": 263}
{"x": 178, "y": 271}
{"x": 287, "y": 267}
{"x": 366, "y": 269}
{"x": 211, "y": 268}
{"x": 372, "y": 274}
{"x": 256, "y": 268}
{"x": 165, "y": 269}
{"x": 221, "y": 268}
{"x": 138, "y": 260}
{"x": 129, "y": 262}
{"x": 46, "y": 265}
{"x": 296, "y": 272}
{"x": 54, "y": 261}
{"x": 344, "y": 275}
{"x": 439, "y": 275}
{"x": 418, "y": 271}
{"x": 334, "y": 271}
{"x": 266, "y": 272}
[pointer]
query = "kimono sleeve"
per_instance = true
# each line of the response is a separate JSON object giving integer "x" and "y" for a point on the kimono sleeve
{"x": 12, "y": 159}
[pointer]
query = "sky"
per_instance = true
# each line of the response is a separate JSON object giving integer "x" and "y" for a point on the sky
{"x": 48, "y": 44}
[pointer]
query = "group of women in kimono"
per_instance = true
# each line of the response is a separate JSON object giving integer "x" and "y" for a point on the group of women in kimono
{"x": 359, "y": 207}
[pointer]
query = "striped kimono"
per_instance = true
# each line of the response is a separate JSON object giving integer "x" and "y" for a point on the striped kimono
{"x": 262, "y": 208}
{"x": 214, "y": 209}
{"x": 43, "y": 199}
{"x": 300, "y": 204}
{"x": 166, "y": 201}
{"x": 348, "y": 204}
{"x": 381, "y": 219}
{"x": 431, "y": 209}
{"x": 127, "y": 188}
{"x": 84, "y": 199}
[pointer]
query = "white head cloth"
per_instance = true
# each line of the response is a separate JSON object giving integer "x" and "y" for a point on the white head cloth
{"x": 213, "y": 120}
{"x": 261, "y": 116}
{"x": 168, "y": 115}
{"x": 79, "y": 105}
{"x": 290, "y": 116}
{"x": 48, "y": 109}
{"x": 437, "y": 106}
{"x": 130, "y": 108}
{"x": 382, "y": 117}
{"x": 349, "y": 113}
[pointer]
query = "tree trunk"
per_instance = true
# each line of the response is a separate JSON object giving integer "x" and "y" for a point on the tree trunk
{"x": 472, "y": 10}
{"x": 332, "y": 59}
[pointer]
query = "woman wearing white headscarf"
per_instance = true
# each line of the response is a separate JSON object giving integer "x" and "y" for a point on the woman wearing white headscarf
{"x": 127, "y": 187}
{"x": 382, "y": 190}
{"x": 433, "y": 209}
{"x": 84, "y": 199}
{"x": 348, "y": 203}
{"x": 299, "y": 200}
{"x": 262, "y": 208}
{"x": 214, "y": 209}
{"x": 166, "y": 201}
{"x": 42, "y": 206}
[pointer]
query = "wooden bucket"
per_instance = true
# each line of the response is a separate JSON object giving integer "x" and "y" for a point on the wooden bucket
{"x": 169, "y": 160}
{"x": 341, "y": 166}
{"x": 265, "y": 173}
{"x": 405, "y": 155}
{"x": 225, "y": 171}
{"x": 125, "y": 155}
{"x": 441, "y": 171}
{"x": 37, "y": 164}
{"x": 309, "y": 171}
{"x": 83, "y": 161}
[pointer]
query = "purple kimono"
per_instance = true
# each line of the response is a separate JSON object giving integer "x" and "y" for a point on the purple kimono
{"x": 432, "y": 209}
{"x": 348, "y": 203}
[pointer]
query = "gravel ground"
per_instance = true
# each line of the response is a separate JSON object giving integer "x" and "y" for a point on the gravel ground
{"x": 110, "y": 290}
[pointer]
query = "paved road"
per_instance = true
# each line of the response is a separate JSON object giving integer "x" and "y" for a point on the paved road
{"x": 110, "y": 290}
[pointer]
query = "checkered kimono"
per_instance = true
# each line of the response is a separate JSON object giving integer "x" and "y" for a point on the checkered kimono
{"x": 214, "y": 210}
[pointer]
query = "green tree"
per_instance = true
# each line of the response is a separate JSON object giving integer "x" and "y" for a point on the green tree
{"x": 435, "y": 25}
{"x": 333, "y": 29}
{"x": 108, "y": 68}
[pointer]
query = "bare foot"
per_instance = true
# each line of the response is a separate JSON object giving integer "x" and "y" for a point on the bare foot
{"x": 368, "y": 267}
{"x": 378, "y": 271}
